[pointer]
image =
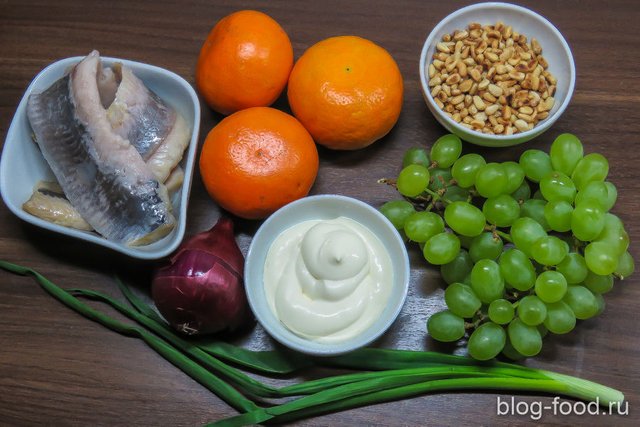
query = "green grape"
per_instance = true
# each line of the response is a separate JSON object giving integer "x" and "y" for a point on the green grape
{"x": 524, "y": 232}
{"x": 461, "y": 300}
{"x": 587, "y": 221}
{"x": 446, "y": 150}
{"x": 464, "y": 218}
{"x": 614, "y": 234}
{"x": 534, "y": 209}
{"x": 600, "y": 258}
{"x": 515, "y": 176}
{"x": 557, "y": 186}
{"x": 592, "y": 167}
{"x": 525, "y": 339}
{"x": 565, "y": 153}
{"x": 517, "y": 270}
{"x": 486, "y": 280}
{"x": 464, "y": 170}
{"x": 465, "y": 241}
{"x": 598, "y": 284}
{"x": 501, "y": 311}
{"x": 538, "y": 195}
{"x": 522, "y": 193}
{"x": 440, "y": 178}
{"x": 467, "y": 279}
{"x": 491, "y": 180}
{"x": 397, "y": 212}
{"x": 626, "y": 265}
{"x": 558, "y": 215}
{"x": 487, "y": 341}
{"x": 536, "y": 164}
{"x": 502, "y": 210}
{"x": 510, "y": 352}
{"x": 574, "y": 268}
{"x": 458, "y": 269}
{"x": 413, "y": 180}
{"x": 595, "y": 191}
{"x": 560, "y": 318}
{"x": 485, "y": 246}
{"x": 550, "y": 286}
{"x": 416, "y": 156}
{"x": 601, "y": 304}
{"x": 543, "y": 330}
{"x": 612, "y": 195}
{"x": 531, "y": 310}
{"x": 456, "y": 194}
{"x": 549, "y": 250}
{"x": 421, "y": 226}
{"x": 441, "y": 248}
{"x": 445, "y": 326}
{"x": 581, "y": 301}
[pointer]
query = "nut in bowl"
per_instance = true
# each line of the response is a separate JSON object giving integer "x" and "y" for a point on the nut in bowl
{"x": 326, "y": 275}
{"x": 496, "y": 74}
{"x": 112, "y": 98}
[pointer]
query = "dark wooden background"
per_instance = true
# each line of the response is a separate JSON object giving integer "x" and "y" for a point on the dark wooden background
{"x": 59, "y": 368}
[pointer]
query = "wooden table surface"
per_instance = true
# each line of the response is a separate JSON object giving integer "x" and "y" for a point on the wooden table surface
{"x": 59, "y": 368}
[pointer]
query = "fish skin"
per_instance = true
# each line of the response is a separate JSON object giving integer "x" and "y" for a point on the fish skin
{"x": 103, "y": 176}
{"x": 169, "y": 153}
{"x": 138, "y": 114}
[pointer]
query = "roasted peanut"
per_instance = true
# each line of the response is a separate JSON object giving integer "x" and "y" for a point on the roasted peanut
{"x": 491, "y": 79}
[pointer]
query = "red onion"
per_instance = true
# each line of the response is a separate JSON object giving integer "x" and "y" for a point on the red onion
{"x": 201, "y": 291}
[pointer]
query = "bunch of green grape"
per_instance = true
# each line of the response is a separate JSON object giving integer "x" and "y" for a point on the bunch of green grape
{"x": 526, "y": 248}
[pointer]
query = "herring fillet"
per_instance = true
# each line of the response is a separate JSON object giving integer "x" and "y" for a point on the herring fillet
{"x": 103, "y": 176}
{"x": 159, "y": 133}
{"x": 136, "y": 113}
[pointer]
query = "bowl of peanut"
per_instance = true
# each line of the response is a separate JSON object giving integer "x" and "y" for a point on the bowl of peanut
{"x": 496, "y": 74}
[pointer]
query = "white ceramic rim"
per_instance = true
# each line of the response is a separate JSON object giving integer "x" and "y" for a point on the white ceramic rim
{"x": 92, "y": 237}
{"x": 496, "y": 138}
{"x": 326, "y": 349}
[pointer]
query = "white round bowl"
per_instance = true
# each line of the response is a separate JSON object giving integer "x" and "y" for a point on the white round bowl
{"x": 554, "y": 49}
{"x": 325, "y": 207}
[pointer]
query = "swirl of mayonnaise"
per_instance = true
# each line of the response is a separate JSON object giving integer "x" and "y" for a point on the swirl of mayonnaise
{"x": 327, "y": 280}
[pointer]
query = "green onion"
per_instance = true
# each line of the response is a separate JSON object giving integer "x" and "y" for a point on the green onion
{"x": 267, "y": 362}
{"x": 393, "y": 374}
{"x": 256, "y": 388}
{"x": 194, "y": 370}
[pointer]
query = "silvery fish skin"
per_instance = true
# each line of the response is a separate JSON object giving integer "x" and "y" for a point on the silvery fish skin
{"x": 136, "y": 113}
{"x": 159, "y": 133}
{"x": 102, "y": 174}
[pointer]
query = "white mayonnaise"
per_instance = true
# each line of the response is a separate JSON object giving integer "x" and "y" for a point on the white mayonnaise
{"x": 327, "y": 281}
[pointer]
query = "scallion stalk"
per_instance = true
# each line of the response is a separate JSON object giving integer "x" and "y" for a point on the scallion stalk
{"x": 194, "y": 370}
{"x": 396, "y": 374}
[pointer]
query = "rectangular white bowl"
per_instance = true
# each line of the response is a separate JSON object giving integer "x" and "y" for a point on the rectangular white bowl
{"x": 22, "y": 165}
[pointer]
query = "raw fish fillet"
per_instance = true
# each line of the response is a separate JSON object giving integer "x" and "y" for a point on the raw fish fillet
{"x": 136, "y": 113}
{"x": 104, "y": 177}
{"x": 167, "y": 156}
{"x": 49, "y": 203}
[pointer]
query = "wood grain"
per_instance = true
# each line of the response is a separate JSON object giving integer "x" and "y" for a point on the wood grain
{"x": 59, "y": 368}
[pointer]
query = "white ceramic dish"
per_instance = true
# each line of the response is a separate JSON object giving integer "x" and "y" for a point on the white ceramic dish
{"x": 554, "y": 48}
{"x": 324, "y": 207}
{"x": 22, "y": 164}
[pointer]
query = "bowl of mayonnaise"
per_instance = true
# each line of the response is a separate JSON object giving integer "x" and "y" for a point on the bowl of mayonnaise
{"x": 326, "y": 274}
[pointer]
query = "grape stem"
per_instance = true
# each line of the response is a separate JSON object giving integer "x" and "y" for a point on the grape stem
{"x": 496, "y": 232}
{"x": 435, "y": 196}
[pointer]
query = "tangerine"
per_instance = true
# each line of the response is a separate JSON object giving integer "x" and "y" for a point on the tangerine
{"x": 347, "y": 91}
{"x": 244, "y": 62}
{"x": 257, "y": 160}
